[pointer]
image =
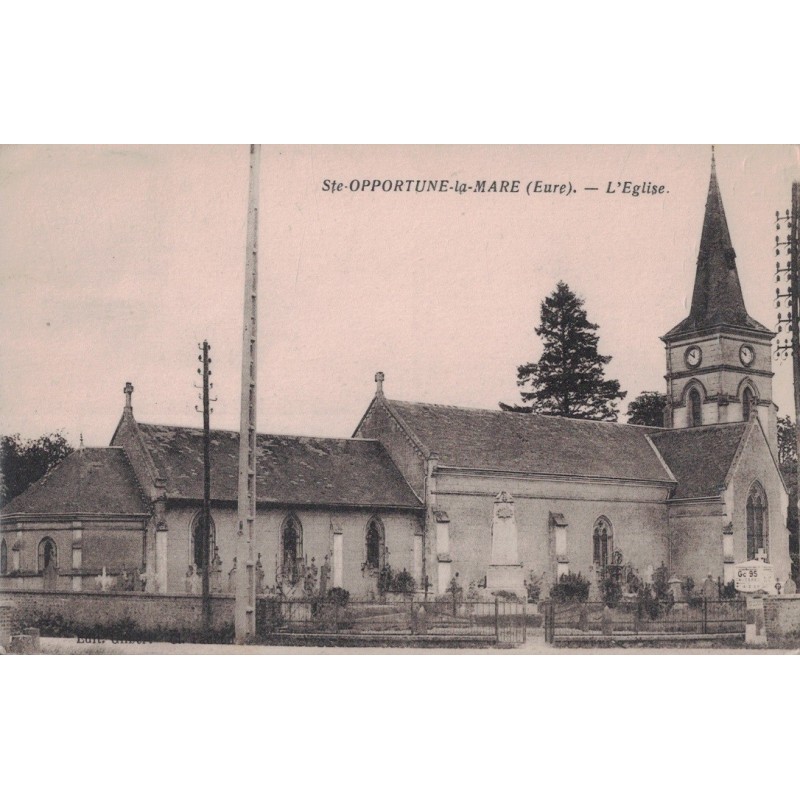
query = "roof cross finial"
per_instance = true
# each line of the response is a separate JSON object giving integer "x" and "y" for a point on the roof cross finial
{"x": 128, "y": 390}
{"x": 379, "y": 381}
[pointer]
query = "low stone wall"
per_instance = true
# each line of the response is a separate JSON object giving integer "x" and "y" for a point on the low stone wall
{"x": 6, "y": 609}
{"x": 782, "y": 618}
{"x": 148, "y": 612}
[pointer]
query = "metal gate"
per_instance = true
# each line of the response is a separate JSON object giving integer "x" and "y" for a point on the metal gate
{"x": 576, "y": 622}
{"x": 489, "y": 621}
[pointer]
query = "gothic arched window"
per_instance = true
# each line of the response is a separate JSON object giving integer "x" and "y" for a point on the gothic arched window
{"x": 748, "y": 403}
{"x": 757, "y": 533}
{"x": 602, "y": 542}
{"x": 695, "y": 408}
{"x": 291, "y": 547}
{"x": 48, "y": 554}
{"x": 376, "y": 544}
{"x": 198, "y": 557}
{"x": 3, "y": 557}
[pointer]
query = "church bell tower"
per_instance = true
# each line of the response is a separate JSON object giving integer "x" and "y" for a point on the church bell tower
{"x": 719, "y": 358}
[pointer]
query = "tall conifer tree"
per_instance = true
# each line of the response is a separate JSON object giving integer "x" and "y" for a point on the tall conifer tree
{"x": 568, "y": 380}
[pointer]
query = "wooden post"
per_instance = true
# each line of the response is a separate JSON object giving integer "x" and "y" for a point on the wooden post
{"x": 524, "y": 622}
{"x": 244, "y": 614}
{"x": 705, "y": 614}
{"x": 793, "y": 238}
{"x": 206, "y": 526}
{"x": 792, "y": 245}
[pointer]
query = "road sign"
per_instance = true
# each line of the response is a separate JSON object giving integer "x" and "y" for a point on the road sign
{"x": 754, "y": 576}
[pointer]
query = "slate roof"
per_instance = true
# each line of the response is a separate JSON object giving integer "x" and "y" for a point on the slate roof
{"x": 717, "y": 298}
{"x": 700, "y": 458}
{"x": 504, "y": 440}
{"x": 291, "y": 470}
{"x": 94, "y": 480}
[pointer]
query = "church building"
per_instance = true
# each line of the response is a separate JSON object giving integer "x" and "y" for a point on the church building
{"x": 490, "y": 499}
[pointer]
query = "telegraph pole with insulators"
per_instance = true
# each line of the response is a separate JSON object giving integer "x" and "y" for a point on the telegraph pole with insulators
{"x": 789, "y": 321}
{"x": 206, "y": 518}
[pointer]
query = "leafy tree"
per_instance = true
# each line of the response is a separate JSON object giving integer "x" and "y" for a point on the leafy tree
{"x": 787, "y": 458}
{"x": 23, "y": 462}
{"x": 568, "y": 380}
{"x": 648, "y": 409}
{"x": 787, "y": 442}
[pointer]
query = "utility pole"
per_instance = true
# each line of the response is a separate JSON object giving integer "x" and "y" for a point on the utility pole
{"x": 245, "y": 607}
{"x": 206, "y": 518}
{"x": 790, "y": 324}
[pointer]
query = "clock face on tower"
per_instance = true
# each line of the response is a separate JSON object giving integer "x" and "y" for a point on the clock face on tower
{"x": 693, "y": 356}
{"x": 746, "y": 355}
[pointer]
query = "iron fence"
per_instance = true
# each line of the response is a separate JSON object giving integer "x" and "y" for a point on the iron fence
{"x": 657, "y": 618}
{"x": 498, "y": 621}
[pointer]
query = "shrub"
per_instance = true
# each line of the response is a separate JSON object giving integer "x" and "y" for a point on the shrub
{"x": 647, "y": 605}
{"x": 338, "y": 596}
{"x": 656, "y": 599}
{"x": 661, "y": 583}
{"x": 570, "y": 587}
{"x": 390, "y": 581}
{"x": 404, "y": 582}
{"x": 611, "y": 588}
{"x": 502, "y": 594}
{"x": 332, "y": 613}
{"x": 533, "y": 588}
{"x": 126, "y": 630}
{"x": 728, "y": 591}
{"x": 310, "y": 579}
{"x": 634, "y": 583}
{"x": 385, "y": 580}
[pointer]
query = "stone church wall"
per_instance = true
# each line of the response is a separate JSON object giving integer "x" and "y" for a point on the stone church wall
{"x": 115, "y": 545}
{"x": 696, "y": 528}
{"x": 32, "y": 534}
{"x": 317, "y": 527}
{"x": 756, "y": 464}
{"x": 637, "y": 515}
{"x": 696, "y": 537}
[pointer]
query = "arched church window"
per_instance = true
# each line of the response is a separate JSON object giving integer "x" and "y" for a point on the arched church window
{"x": 748, "y": 403}
{"x": 757, "y": 533}
{"x": 602, "y": 542}
{"x": 695, "y": 408}
{"x": 48, "y": 554}
{"x": 376, "y": 544}
{"x": 291, "y": 548}
{"x": 198, "y": 557}
{"x": 3, "y": 557}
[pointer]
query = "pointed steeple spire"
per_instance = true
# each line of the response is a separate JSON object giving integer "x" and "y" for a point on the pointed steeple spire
{"x": 717, "y": 298}
{"x": 716, "y": 238}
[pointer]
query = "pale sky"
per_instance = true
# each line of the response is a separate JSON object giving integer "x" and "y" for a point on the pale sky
{"x": 116, "y": 261}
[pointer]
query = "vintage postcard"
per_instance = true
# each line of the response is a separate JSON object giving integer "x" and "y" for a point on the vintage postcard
{"x": 317, "y": 399}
